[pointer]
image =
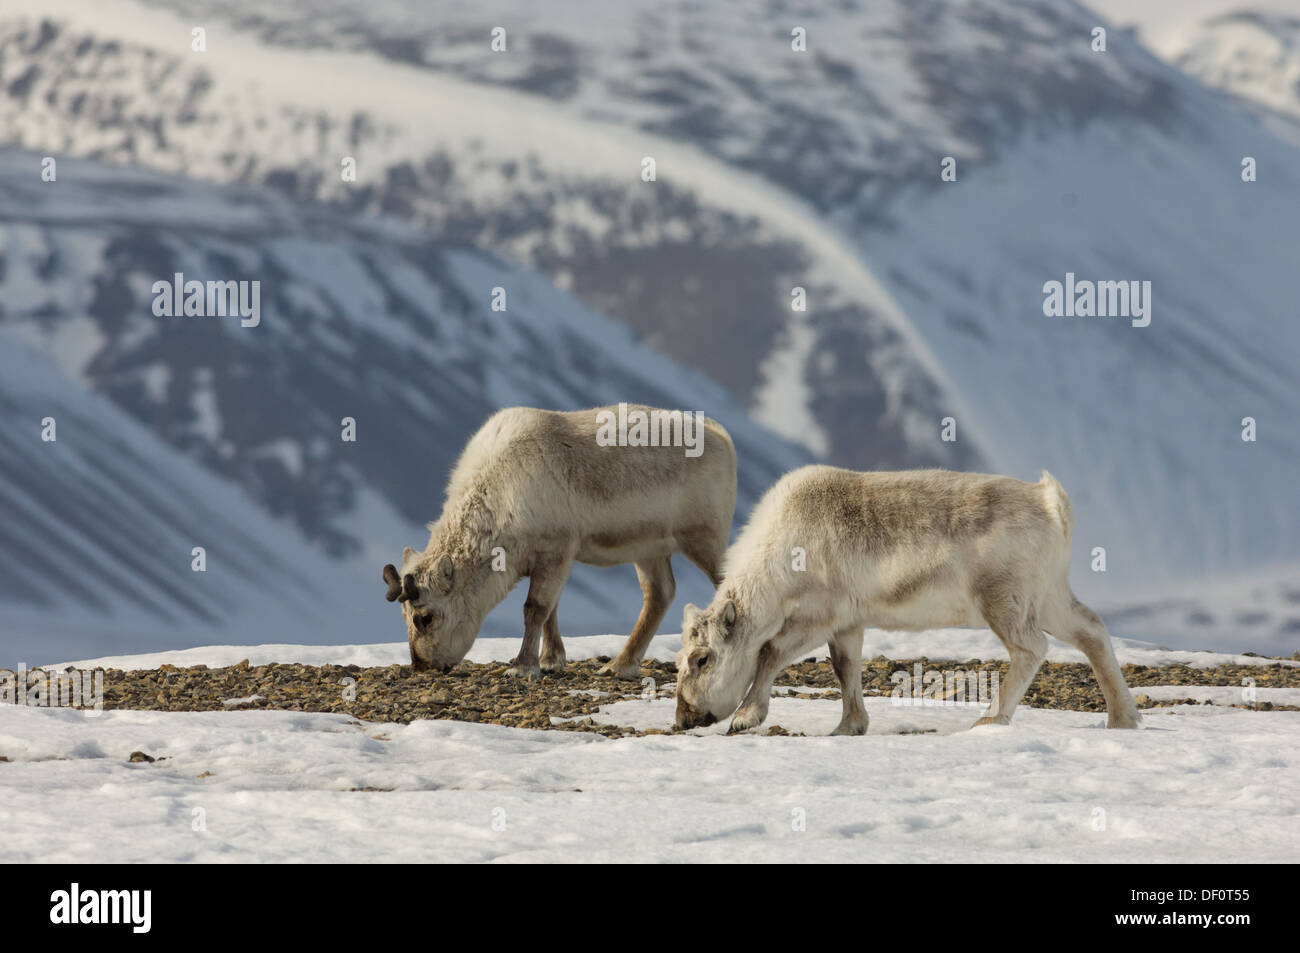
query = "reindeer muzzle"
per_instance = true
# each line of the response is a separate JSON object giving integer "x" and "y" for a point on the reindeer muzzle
{"x": 688, "y": 717}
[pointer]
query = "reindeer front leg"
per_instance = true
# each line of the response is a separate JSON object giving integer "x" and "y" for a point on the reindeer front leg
{"x": 846, "y": 660}
{"x": 553, "y": 657}
{"x": 544, "y": 586}
{"x": 753, "y": 709}
{"x": 774, "y": 656}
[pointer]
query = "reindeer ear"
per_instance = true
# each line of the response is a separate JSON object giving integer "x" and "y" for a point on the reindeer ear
{"x": 689, "y": 615}
{"x": 446, "y": 573}
{"x": 729, "y": 617}
{"x": 407, "y": 553}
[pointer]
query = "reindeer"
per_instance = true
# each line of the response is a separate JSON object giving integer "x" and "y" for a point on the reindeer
{"x": 536, "y": 490}
{"x": 910, "y": 550}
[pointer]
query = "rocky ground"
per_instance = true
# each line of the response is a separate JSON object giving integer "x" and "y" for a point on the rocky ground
{"x": 566, "y": 700}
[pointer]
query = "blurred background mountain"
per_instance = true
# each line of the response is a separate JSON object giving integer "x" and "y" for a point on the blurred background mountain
{"x": 521, "y": 169}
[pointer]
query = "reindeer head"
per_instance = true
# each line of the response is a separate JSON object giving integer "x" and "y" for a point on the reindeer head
{"x": 715, "y": 665}
{"x": 439, "y": 606}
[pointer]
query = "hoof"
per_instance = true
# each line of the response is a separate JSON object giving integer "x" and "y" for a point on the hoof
{"x": 531, "y": 673}
{"x": 994, "y": 720}
{"x": 627, "y": 672}
{"x": 1124, "y": 721}
{"x": 554, "y": 664}
{"x": 851, "y": 728}
{"x": 745, "y": 719}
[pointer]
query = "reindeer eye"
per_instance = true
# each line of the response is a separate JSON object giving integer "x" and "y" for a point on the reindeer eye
{"x": 424, "y": 621}
{"x": 702, "y": 661}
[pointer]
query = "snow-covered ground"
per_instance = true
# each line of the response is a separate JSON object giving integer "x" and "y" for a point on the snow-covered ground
{"x": 1222, "y": 694}
{"x": 1197, "y": 784}
{"x": 959, "y": 644}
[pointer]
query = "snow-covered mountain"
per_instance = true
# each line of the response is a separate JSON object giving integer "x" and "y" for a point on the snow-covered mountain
{"x": 99, "y": 529}
{"x": 1247, "y": 48}
{"x": 777, "y": 169}
{"x": 700, "y": 263}
{"x": 1259, "y": 611}
{"x": 364, "y": 320}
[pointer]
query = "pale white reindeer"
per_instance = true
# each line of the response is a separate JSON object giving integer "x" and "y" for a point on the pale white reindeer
{"x": 535, "y": 491}
{"x": 828, "y": 552}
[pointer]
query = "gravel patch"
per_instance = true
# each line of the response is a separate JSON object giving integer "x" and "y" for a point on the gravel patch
{"x": 563, "y": 701}
{"x": 1062, "y": 685}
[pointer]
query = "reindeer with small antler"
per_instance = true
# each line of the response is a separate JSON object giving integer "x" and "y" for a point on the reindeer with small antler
{"x": 536, "y": 491}
{"x": 909, "y": 550}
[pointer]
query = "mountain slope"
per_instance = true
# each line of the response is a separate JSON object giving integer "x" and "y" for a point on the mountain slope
{"x": 99, "y": 528}
{"x": 1247, "y": 48}
{"x": 538, "y": 182}
{"x": 779, "y": 169}
{"x": 359, "y": 319}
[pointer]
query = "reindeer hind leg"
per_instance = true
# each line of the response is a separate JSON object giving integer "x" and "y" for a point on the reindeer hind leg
{"x": 1075, "y": 624}
{"x": 657, "y": 589}
{"x": 1015, "y": 623}
{"x": 553, "y": 657}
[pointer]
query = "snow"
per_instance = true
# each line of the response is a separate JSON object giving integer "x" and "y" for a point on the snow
{"x": 1196, "y": 784}
{"x": 1249, "y": 49}
{"x": 783, "y": 399}
{"x": 1224, "y": 694}
{"x": 239, "y": 702}
{"x": 1167, "y": 27}
{"x": 958, "y": 644}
